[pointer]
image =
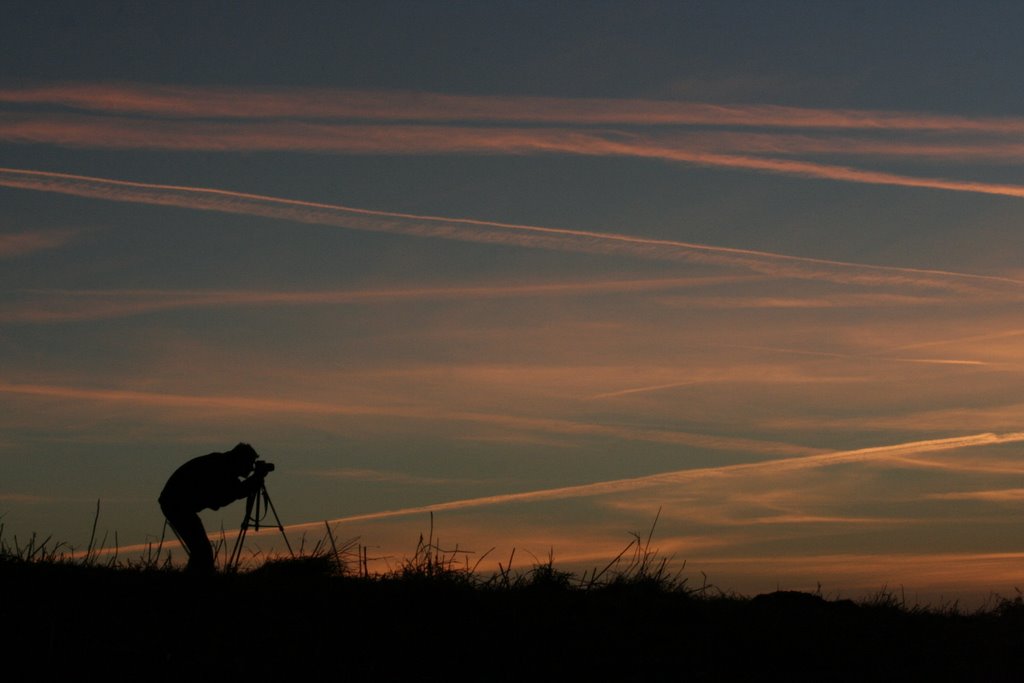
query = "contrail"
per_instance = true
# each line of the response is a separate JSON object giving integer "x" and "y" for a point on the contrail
{"x": 855, "y": 300}
{"x": 647, "y": 389}
{"x": 676, "y": 385}
{"x": 76, "y": 130}
{"x": 324, "y": 138}
{"x": 175, "y": 101}
{"x": 878, "y": 453}
{"x": 464, "y": 229}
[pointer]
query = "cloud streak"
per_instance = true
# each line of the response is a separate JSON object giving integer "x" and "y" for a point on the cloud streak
{"x": 44, "y": 306}
{"x": 993, "y": 417}
{"x": 491, "y": 232}
{"x": 992, "y": 496}
{"x": 346, "y": 138}
{"x": 388, "y": 477}
{"x": 16, "y": 244}
{"x": 207, "y": 404}
{"x": 728, "y": 152}
{"x": 220, "y": 102}
{"x": 139, "y": 116}
{"x": 47, "y": 306}
{"x": 810, "y": 301}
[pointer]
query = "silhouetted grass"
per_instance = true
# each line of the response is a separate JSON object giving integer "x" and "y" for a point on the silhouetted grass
{"x": 434, "y": 616}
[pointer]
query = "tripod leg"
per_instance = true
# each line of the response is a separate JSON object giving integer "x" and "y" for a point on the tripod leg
{"x": 236, "y": 553}
{"x": 280, "y": 527}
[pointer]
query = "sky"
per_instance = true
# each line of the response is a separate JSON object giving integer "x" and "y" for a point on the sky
{"x": 549, "y": 271}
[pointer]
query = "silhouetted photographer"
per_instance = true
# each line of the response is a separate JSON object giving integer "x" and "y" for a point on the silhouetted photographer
{"x": 209, "y": 481}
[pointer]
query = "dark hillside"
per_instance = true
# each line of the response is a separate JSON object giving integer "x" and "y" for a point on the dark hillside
{"x": 287, "y": 619}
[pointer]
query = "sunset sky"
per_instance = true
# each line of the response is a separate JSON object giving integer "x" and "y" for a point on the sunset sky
{"x": 545, "y": 270}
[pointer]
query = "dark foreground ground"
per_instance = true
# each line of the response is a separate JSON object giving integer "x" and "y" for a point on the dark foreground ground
{"x": 286, "y": 622}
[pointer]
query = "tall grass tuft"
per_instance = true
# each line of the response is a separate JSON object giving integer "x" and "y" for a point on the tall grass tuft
{"x": 640, "y": 567}
{"x": 430, "y": 561}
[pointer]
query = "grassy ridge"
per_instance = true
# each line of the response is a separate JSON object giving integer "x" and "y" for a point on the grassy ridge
{"x": 434, "y": 619}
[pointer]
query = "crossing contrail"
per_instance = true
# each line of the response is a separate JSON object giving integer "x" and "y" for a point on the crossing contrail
{"x": 493, "y": 232}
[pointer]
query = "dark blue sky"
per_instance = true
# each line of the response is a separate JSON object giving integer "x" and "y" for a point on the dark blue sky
{"x": 949, "y": 56}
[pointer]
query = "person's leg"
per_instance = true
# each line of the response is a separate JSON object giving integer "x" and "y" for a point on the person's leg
{"x": 190, "y": 530}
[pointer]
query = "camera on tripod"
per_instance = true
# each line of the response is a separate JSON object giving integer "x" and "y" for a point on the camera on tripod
{"x": 257, "y": 507}
{"x": 262, "y": 467}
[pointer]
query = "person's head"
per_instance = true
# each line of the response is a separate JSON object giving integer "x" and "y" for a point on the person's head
{"x": 244, "y": 456}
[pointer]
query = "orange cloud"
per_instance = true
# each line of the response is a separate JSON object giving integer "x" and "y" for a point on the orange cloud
{"x": 857, "y": 300}
{"x": 988, "y": 149}
{"x": 17, "y": 244}
{"x": 45, "y": 306}
{"x": 998, "y": 495}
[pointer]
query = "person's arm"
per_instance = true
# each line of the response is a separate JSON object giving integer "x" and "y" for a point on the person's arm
{"x": 251, "y": 485}
{"x": 234, "y": 489}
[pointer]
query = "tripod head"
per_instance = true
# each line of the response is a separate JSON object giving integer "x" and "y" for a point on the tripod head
{"x": 257, "y": 494}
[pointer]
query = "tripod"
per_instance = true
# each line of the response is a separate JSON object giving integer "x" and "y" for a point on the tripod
{"x": 256, "y": 507}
